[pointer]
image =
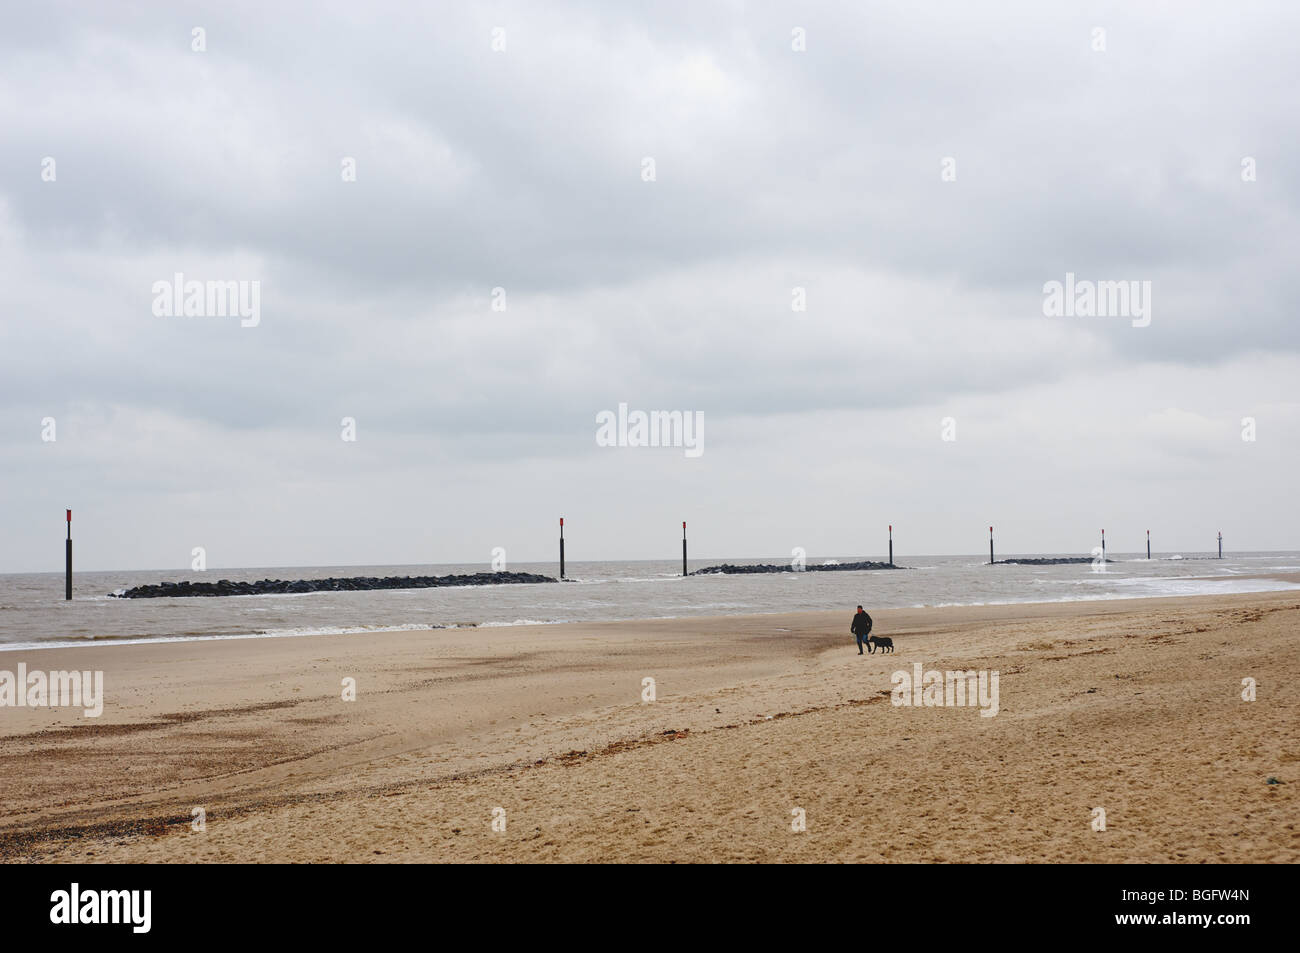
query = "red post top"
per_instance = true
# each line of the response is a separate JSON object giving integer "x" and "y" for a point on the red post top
{"x": 990, "y": 529}
{"x": 891, "y": 527}
{"x": 683, "y": 524}
{"x": 561, "y": 520}
{"x": 69, "y": 516}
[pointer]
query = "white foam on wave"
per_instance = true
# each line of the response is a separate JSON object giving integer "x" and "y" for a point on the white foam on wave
{"x": 1206, "y": 587}
{"x": 499, "y": 625}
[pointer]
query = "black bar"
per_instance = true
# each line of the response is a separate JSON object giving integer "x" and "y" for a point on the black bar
{"x": 684, "y": 548}
{"x": 67, "y": 593}
{"x": 990, "y": 545}
{"x": 1093, "y": 902}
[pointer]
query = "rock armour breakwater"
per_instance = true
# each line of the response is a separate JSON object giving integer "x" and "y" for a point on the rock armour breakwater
{"x": 1050, "y": 561}
{"x": 729, "y": 569}
{"x": 267, "y": 587}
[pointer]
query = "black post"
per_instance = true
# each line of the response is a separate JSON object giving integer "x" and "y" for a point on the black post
{"x": 67, "y": 586}
{"x": 891, "y": 544}
{"x": 561, "y": 547}
{"x": 1148, "y": 545}
{"x": 990, "y": 545}
{"x": 683, "y": 547}
{"x": 1103, "y": 547}
{"x": 1220, "y": 546}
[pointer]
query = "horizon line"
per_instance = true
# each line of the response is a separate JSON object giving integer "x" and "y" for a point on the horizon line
{"x": 667, "y": 559}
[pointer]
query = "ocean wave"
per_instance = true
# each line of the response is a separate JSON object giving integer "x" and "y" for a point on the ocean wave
{"x": 501, "y": 625}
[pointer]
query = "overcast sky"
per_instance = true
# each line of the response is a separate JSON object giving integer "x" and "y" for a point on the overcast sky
{"x": 1117, "y": 156}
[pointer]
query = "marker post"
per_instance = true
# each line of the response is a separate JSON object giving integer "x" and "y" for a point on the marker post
{"x": 67, "y": 585}
{"x": 561, "y": 547}
{"x": 1148, "y": 545}
{"x": 891, "y": 544}
{"x": 1220, "y": 550}
{"x": 990, "y": 545}
{"x": 683, "y": 547}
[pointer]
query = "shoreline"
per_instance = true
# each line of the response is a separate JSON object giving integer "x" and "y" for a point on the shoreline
{"x": 1131, "y": 703}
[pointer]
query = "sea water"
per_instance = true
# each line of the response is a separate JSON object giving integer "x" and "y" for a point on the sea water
{"x": 33, "y": 612}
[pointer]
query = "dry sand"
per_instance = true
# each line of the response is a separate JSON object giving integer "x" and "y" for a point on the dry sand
{"x": 1131, "y": 706}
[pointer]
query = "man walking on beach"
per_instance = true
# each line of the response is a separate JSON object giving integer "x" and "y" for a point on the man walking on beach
{"x": 861, "y": 627}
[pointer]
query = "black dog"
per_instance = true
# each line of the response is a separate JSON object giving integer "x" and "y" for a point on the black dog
{"x": 885, "y": 642}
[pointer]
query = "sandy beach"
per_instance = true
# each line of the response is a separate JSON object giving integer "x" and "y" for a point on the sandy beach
{"x": 759, "y": 725}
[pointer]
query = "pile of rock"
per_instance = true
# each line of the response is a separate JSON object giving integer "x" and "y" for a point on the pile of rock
{"x": 729, "y": 569}
{"x": 225, "y": 587}
{"x": 1048, "y": 561}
